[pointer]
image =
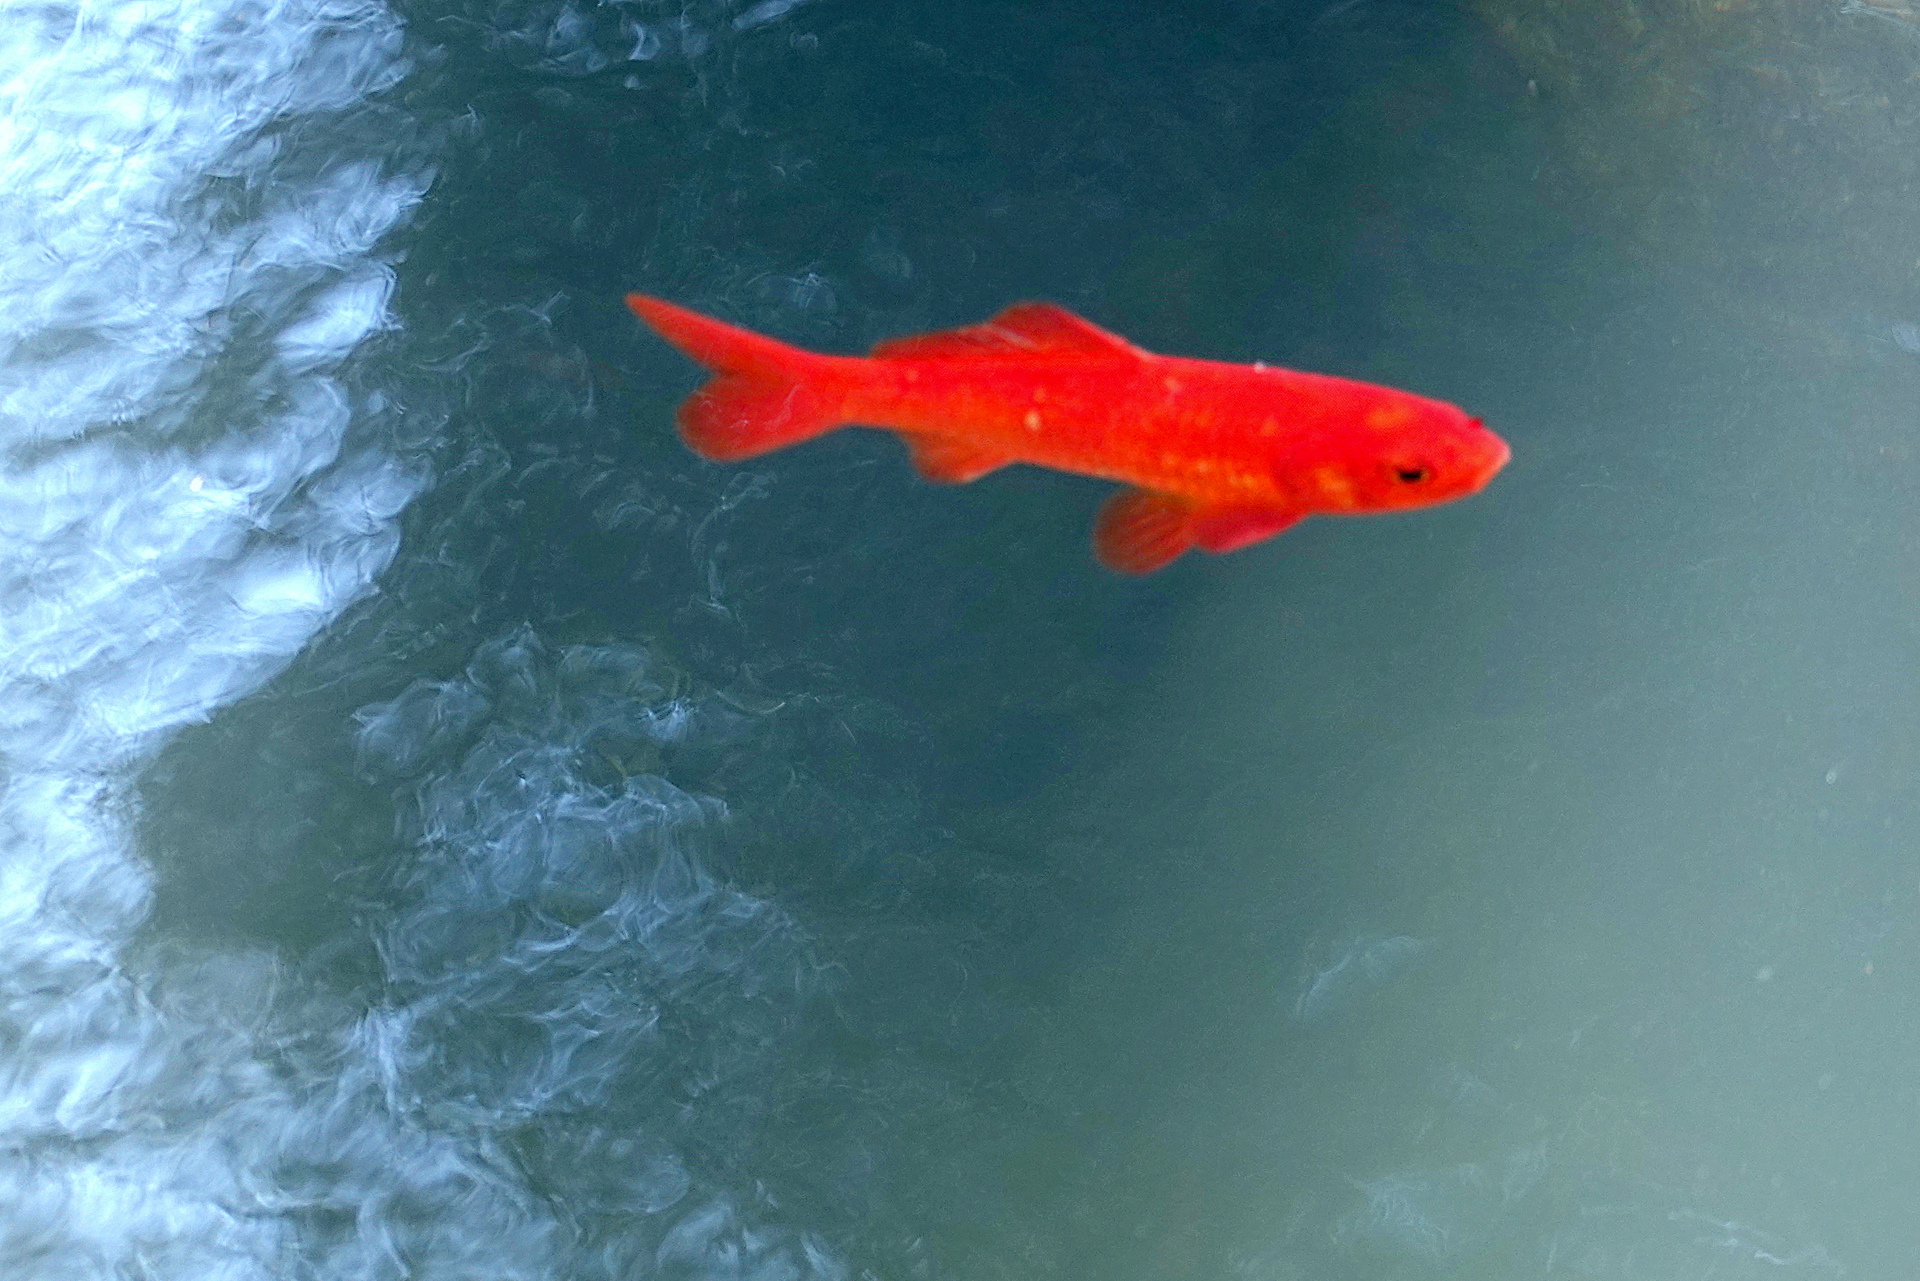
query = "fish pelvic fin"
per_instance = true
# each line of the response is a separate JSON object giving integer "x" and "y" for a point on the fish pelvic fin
{"x": 1139, "y": 530}
{"x": 765, "y": 395}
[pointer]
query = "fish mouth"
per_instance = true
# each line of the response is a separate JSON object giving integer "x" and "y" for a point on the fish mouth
{"x": 1495, "y": 457}
{"x": 1502, "y": 454}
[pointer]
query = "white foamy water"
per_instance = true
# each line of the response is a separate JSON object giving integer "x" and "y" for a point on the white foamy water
{"x": 199, "y": 474}
{"x": 192, "y": 487}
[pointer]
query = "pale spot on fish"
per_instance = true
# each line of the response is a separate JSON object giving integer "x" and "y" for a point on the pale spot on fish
{"x": 1384, "y": 417}
{"x": 1260, "y": 367}
{"x": 1336, "y": 488}
{"x": 1269, "y": 428}
{"x": 1172, "y": 385}
{"x": 1033, "y": 420}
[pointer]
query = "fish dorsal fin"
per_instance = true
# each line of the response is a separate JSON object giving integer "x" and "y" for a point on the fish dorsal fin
{"x": 953, "y": 462}
{"x": 1024, "y": 329}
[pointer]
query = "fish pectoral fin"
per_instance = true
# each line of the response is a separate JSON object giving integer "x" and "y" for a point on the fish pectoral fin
{"x": 1228, "y": 529}
{"x": 1139, "y": 530}
{"x": 1024, "y": 329}
{"x": 950, "y": 461}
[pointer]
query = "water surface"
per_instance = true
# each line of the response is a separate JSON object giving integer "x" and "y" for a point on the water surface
{"x": 452, "y": 832}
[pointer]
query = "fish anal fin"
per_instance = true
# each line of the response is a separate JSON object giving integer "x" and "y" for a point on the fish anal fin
{"x": 952, "y": 462}
{"x": 1139, "y": 530}
{"x": 1228, "y": 529}
{"x": 1037, "y": 329}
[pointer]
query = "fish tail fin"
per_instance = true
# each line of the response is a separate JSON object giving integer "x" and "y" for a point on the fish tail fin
{"x": 1138, "y": 531}
{"x": 765, "y": 394}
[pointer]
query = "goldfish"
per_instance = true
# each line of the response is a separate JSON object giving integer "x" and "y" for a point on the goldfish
{"x": 1214, "y": 455}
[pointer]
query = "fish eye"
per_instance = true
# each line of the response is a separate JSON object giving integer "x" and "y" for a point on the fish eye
{"x": 1411, "y": 475}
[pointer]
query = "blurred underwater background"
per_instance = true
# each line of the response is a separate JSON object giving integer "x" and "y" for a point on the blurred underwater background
{"x": 449, "y": 832}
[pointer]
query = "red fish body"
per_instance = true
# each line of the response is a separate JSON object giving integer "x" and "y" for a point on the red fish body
{"x": 1217, "y": 456}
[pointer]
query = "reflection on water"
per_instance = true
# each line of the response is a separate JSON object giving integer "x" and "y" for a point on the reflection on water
{"x": 1364, "y": 963}
{"x": 561, "y": 962}
{"x": 449, "y": 832}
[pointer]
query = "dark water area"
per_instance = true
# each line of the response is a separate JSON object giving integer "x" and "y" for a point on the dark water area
{"x": 591, "y": 862}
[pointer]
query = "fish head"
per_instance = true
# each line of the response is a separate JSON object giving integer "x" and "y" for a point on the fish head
{"x": 1418, "y": 453}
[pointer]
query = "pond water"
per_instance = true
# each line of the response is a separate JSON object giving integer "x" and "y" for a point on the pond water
{"x": 450, "y": 831}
